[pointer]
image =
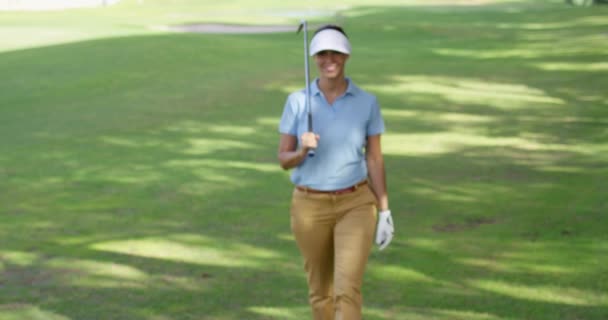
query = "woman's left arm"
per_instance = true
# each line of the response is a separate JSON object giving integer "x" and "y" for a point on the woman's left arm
{"x": 375, "y": 171}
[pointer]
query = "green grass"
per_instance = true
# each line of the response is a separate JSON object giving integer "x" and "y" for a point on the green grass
{"x": 138, "y": 172}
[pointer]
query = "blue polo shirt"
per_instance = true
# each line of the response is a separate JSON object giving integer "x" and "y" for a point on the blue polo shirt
{"x": 343, "y": 127}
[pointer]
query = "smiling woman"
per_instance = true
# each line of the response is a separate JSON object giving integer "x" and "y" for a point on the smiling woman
{"x": 338, "y": 191}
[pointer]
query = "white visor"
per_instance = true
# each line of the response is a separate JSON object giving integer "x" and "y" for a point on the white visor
{"x": 329, "y": 39}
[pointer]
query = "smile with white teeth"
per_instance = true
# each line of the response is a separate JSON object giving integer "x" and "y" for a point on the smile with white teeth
{"x": 330, "y": 68}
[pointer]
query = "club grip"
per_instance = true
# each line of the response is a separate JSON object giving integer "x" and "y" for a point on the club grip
{"x": 311, "y": 153}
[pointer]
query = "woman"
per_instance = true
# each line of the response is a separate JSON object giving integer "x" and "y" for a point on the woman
{"x": 337, "y": 192}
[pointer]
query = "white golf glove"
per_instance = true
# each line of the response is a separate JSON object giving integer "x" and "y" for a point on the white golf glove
{"x": 384, "y": 229}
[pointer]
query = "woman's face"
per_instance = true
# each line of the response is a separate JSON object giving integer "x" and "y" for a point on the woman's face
{"x": 330, "y": 63}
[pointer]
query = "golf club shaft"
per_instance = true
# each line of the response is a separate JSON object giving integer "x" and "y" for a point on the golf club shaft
{"x": 311, "y": 152}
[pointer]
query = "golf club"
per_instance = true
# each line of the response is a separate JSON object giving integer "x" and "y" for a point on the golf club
{"x": 304, "y": 26}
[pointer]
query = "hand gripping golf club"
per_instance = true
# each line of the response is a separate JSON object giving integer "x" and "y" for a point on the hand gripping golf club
{"x": 304, "y": 26}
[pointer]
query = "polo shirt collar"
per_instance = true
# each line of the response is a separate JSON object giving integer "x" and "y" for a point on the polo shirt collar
{"x": 351, "y": 88}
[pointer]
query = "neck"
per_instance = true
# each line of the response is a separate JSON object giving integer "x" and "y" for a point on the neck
{"x": 333, "y": 85}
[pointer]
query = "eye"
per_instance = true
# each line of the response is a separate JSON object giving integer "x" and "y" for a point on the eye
{"x": 325, "y": 53}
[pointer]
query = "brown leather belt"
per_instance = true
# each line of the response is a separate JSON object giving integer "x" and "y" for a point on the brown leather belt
{"x": 340, "y": 191}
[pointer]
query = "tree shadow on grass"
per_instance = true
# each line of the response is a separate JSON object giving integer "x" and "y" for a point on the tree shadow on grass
{"x": 141, "y": 178}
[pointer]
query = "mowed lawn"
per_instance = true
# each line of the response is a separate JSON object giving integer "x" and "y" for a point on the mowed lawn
{"x": 139, "y": 181}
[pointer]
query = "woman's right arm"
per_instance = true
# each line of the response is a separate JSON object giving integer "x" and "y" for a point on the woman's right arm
{"x": 289, "y": 154}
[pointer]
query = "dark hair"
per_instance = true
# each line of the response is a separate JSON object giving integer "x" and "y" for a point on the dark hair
{"x": 331, "y": 27}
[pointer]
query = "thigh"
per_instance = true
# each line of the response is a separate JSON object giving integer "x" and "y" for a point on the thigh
{"x": 353, "y": 239}
{"x": 312, "y": 224}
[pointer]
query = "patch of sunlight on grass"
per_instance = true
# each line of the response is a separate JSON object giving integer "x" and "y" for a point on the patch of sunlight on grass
{"x": 465, "y": 315}
{"x": 286, "y": 237}
{"x": 549, "y": 294}
{"x": 16, "y": 311}
{"x": 201, "y": 146}
{"x": 489, "y": 54}
{"x": 463, "y": 118}
{"x": 528, "y": 251}
{"x": 132, "y": 174}
{"x": 19, "y": 258}
{"x": 571, "y": 66}
{"x": 426, "y": 243}
{"x": 122, "y": 274}
{"x": 269, "y": 122}
{"x": 467, "y": 193}
{"x": 187, "y": 126}
{"x": 445, "y": 142}
{"x": 464, "y": 90}
{"x": 273, "y": 312}
{"x": 529, "y": 53}
{"x": 358, "y": 12}
{"x": 172, "y": 282}
{"x": 546, "y": 42}
{"x": 196, "y": 127}
{"x": 75, "y": 240}
{"x": 416, "y": 144}
{"x": 397, "y": 273}
{"x": 515, "y": 267}
{"x": 600, "y": 245}
{"x": 563, "y": 169}
{"x": 39, "y": 37}
{"x": 236, "y": 130}
{"x": 158, "y": 317}
{"x": 583, "y": 21}
{"x": 225, "y": 165}
{"x": 593, "y": 20}
{"x": 103, "y": 282}
{"x": 122, "y": 142}
{"x": 191, "y": 249}
{"x": 139, "y": 143}
{"x": 537, "y": 26}
{"x": 396, "y": 113}
{"x": 435, "y": 5}
{"x": 283, "y": 88}
{"x": 428, "y": 314}
{"x": 208, "y": 183}
{"x": 443, "y": 117}
{"x": 454, "y": 194}
{"x": 533, "y": 256}
{"x": 392, "y": 315}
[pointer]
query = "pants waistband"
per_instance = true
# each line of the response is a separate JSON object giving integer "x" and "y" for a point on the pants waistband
{"x": 350, "y": 189}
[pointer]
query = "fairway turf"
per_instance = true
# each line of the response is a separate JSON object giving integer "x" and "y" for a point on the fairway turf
{"x": 139, "y": 180}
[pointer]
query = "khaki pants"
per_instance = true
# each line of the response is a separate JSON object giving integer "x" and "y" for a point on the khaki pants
{"x": 334, "y": 234}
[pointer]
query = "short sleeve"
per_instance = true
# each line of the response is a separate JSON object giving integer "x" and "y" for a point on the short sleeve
{"x": 288, "y": 124}
{"x": 376, "y": 122}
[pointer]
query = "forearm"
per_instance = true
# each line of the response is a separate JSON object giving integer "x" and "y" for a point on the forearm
{"x": 377, "y": 178}
{"x": 291, "y": 159}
